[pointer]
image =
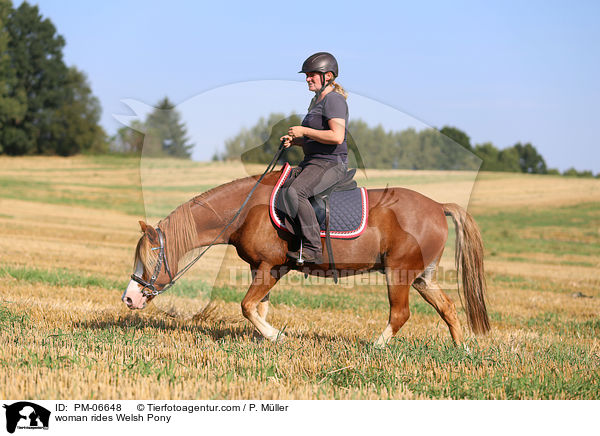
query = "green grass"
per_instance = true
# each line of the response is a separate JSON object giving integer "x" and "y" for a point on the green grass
{"x": 415, "y": 179}
{"x": 525, "y": 259}
{"x": 59, "y": 277}
{"x": 87, "y": 343}
{"x": 554, "y": 322}
{"x": 514, "y": 374}
{"x": 128, "y": 201}
{"x": 522, "y": 283}
{"x": 578, "y": 215}
{"x": 503, "y": 231}
{"x": 544, "y": 385}
{"x": 11, "y": 320}
{"x": 480, "y": 373}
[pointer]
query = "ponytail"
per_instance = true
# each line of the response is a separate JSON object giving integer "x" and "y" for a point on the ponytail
{"x": 338, "y": 88}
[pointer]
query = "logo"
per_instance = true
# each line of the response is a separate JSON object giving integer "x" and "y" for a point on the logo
{"x": 26, "y": 415}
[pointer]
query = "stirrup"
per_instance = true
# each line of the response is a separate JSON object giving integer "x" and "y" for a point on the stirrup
{"x": 300, "y": 261}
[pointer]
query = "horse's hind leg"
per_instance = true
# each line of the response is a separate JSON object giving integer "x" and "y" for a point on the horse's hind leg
{"x": 398, "y": 288}
{"x": 263, "y": 305}
{"x": 262, "y": 281}
{"x": 433, "y": 294}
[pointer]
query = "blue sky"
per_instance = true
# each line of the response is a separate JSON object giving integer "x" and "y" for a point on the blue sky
{"x": 503, "y": 72}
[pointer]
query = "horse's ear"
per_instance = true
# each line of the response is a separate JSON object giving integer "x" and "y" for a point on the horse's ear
{"x": 150, "y": 231}
{"x": 152, "y": 235}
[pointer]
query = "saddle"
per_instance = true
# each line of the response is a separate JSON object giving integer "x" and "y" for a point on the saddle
{"x": 341, "y": 210}
{"x": 320, "y": 202}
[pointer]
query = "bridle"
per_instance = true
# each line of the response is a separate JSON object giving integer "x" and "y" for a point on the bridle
{"x": 162, "y": 258}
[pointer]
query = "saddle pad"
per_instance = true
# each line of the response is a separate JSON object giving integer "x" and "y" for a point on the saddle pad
{"x": 349, "y": 210}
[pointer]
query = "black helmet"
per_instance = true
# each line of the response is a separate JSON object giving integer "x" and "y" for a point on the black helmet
{"x": 321, "y": 62}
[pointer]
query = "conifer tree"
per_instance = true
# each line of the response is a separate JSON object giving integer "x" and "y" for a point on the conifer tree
{"x": 166, "y": 131}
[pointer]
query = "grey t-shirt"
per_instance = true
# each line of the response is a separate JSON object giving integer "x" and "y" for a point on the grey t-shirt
{"x": 333, "y": 105}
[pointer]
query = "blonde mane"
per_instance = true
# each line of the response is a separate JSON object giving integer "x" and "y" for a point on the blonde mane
{"x": 180, "y": 232}
{"x": 180, "y": 228}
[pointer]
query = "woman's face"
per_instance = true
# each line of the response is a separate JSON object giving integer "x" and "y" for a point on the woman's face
{"x": 314, "y": 80}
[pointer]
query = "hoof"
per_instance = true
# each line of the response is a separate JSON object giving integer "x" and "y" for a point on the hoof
{"x": 380, "y": 344}
{"x": 278, "y": 338}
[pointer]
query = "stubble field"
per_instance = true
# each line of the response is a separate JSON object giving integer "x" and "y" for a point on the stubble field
{"x": 68, "y": 231}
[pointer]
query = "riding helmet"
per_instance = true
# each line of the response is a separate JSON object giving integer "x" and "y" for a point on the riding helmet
{"x": 321, "y": 62}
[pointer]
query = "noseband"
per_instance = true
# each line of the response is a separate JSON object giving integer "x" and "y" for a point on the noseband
{"x": 162, "y": 258}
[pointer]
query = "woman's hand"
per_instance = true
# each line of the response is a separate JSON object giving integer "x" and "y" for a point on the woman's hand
{"x": 287, "y": 141}
{"x": 293, "y": 138}
{"x": 296, "y": 131}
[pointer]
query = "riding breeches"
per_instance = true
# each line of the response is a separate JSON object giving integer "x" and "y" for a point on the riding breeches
{"x": 316, "y": 176}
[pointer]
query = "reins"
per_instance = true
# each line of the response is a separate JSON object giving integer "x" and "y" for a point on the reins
{"x": 162, "y": 240}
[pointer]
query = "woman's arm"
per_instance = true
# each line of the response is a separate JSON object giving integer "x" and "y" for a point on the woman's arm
{"x": 334, "y": 136}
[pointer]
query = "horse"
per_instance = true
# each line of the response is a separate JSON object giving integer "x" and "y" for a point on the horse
{"x": 404, "y": 239}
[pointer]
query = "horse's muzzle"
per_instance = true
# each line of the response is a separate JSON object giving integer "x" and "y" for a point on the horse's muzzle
{"x": 133, "y": 297}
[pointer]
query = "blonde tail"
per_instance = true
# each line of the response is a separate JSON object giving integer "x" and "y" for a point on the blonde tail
{"x": 469, "y": 260}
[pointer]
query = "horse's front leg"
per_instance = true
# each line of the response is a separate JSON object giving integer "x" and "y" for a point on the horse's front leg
{"x": 264, "y": 278}
{"x": 263, "y": 307}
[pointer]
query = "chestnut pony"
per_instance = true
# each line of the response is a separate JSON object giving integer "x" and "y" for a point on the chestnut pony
{"x": 404, "y": 239}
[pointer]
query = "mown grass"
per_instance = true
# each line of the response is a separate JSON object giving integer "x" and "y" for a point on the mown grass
{"x": 420, "y": 367}
{"x": 65, "y": 334}
{"x": 476, "y": 373}
{"x": 431, "y": 368}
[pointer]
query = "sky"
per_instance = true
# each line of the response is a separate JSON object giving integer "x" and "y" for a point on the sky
{"x": 503, "y": 72}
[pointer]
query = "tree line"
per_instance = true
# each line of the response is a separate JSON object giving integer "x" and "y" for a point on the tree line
{"x": 448, "y": 148}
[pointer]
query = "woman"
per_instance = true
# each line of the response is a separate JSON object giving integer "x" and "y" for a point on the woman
{"x": 322, "y": 137}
